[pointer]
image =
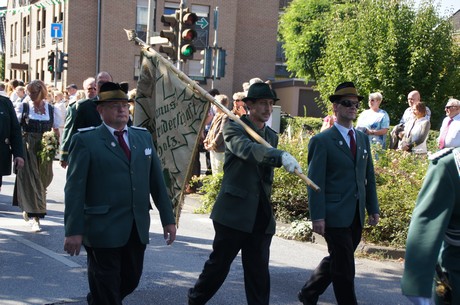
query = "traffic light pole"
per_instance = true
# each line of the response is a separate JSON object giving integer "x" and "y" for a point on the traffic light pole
{"x": 56, "y": 58}
{"x": 216, "y": 26}
{"x": 179, "y": 36}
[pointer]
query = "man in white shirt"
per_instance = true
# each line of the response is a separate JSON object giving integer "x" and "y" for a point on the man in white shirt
{"x": 412, "y": 98}
{"x": 449, "y": 135}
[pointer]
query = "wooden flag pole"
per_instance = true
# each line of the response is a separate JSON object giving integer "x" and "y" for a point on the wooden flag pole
{"x": 133, "y": 37}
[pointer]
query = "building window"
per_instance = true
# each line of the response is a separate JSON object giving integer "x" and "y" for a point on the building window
{"x": 142, "y": 13}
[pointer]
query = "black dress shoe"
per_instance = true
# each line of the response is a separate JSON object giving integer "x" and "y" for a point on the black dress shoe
{"x": 304, "y": 300}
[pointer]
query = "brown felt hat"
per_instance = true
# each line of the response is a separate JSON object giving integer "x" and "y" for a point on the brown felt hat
{"x": 345, "y": 89}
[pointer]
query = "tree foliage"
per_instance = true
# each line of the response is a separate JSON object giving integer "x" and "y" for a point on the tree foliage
{"x": 380, "y": 45}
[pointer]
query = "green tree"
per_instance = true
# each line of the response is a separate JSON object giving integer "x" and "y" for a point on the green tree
{"x": 303, "y": 29}
{"x": 380, "y": 45}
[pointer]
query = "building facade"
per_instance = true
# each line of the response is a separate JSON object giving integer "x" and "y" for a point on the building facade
{"x": 93, "y": 36}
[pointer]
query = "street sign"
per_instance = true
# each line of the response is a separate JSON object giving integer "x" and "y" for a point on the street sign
{"x": 56, "y": 30}
{"x": 158, "y": 40}
{"x": 202, "y": 23}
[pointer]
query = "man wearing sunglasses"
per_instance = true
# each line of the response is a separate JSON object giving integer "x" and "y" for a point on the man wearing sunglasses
{"x": 449, "y": 135}
{"x": 340, "y": 163}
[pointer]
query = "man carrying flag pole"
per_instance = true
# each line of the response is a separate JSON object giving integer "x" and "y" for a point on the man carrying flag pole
{"x": 173, "y": 107}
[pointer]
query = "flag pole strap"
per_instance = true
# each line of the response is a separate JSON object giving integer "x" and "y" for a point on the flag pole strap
{"x": 133, "y": 37}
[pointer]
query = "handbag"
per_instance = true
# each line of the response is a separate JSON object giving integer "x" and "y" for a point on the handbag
{"x": 442, "y": 286}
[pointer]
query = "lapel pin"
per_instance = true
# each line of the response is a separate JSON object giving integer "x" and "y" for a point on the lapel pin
{"x": 113, "y": 144}
{"x": 340, "y": 143}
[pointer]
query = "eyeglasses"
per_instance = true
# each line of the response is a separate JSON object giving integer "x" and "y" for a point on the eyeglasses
{"x": 448, "y": 107}
{"x": 117, "y": 106}
{"x": 348, "y": 103}
{"x": 91, "y": 88}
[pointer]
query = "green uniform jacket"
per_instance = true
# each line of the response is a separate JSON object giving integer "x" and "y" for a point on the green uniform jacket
{"x": 343, "y": 181}
{"x": 81, "y": 114}
{"x": 68, "y": 131}
{"x": 248, "y": 174}
{"x": 10, "y": 136}
{"x": 437, "y": 209}
{"x": 105, "y": 192}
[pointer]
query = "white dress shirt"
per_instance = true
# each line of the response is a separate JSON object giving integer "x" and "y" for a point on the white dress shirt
{"x": 453, "y": 133}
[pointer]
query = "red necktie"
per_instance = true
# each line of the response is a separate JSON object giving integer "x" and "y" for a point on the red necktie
{"x": 442, "y": 139}
{"x": 121, "y": 141}
{"x": 352, "y": 143}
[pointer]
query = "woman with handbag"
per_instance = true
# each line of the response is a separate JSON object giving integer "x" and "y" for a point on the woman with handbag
{"x": 214, "y": 141}
{"x": 415, "y": 134}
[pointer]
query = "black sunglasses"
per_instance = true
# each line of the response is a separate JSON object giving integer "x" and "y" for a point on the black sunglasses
{"x": 348, "y": 103}
{"x": 448, "y": 107}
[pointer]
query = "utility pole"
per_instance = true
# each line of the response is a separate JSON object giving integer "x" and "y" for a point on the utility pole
{"x": 179, "y": 36}
{"x": 216, "y": 26}
{"x": 56, "y": 61}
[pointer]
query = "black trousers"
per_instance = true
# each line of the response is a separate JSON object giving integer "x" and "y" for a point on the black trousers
{"x": 255, "y": 254}
{"x": 113, "y": 273}
{"x": 339, "y": 267}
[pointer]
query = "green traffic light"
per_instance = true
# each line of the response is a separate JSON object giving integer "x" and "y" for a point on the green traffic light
{"x": 187, "y": 50}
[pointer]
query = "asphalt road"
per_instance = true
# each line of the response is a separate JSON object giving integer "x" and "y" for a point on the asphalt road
{"x": 34, "y": 269}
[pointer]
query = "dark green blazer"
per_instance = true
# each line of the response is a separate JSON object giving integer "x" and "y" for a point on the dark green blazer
{"x": 86, "y": 114}
{"x": 105, "y": 192}
{"x": 248, "y": 175}
{"x": 68, "y": 131}
{"x": 436, "y": 212}
{"x": 343, "y": 181}
{"x": 10, "y": 136}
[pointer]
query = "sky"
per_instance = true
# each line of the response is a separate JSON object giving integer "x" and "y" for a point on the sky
{"x": 447, "y": 6}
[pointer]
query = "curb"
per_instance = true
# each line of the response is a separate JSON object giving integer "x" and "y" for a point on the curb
{"x": 192, "y": 202}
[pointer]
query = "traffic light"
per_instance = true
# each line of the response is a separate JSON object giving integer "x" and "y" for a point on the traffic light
{"x": 51, "y": 57}
{"x": 206, "y": 62}
{"x": 188, "y": 34}
{"x": 172, "y": 34}
{"x": 62, "y": 62}
{"x": 220, "y": 62}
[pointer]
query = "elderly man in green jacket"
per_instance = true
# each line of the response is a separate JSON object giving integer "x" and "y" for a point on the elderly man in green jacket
{"x": 242, "y": 214}
{"x": 113, "y": 171}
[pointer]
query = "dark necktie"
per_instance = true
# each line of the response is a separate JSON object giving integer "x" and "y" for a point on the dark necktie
{"x": 442, "y": 139}
{"x": 352, "y": 143}
{"x": 121, "y": 141}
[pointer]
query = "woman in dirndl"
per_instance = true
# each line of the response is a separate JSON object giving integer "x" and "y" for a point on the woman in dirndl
{"x": 36, "y": 117}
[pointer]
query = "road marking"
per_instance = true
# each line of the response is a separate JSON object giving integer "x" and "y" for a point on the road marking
{"x": 41, "y": 249}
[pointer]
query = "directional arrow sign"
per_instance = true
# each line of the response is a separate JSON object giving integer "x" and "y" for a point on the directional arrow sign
{"x": 202, "y": 23}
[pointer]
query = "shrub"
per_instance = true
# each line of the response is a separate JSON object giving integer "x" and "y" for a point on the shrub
{"x": 399, "y": 176}
{"x": 209, "y": 187}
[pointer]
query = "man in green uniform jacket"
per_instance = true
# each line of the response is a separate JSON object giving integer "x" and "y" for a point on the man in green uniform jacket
{"x": 434, "y": 231}
{"x": 107, "y": 199}
{"x": 242, "y": 215}
{"x": 340, "y": 163}
{"x": 10, "y": 139}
